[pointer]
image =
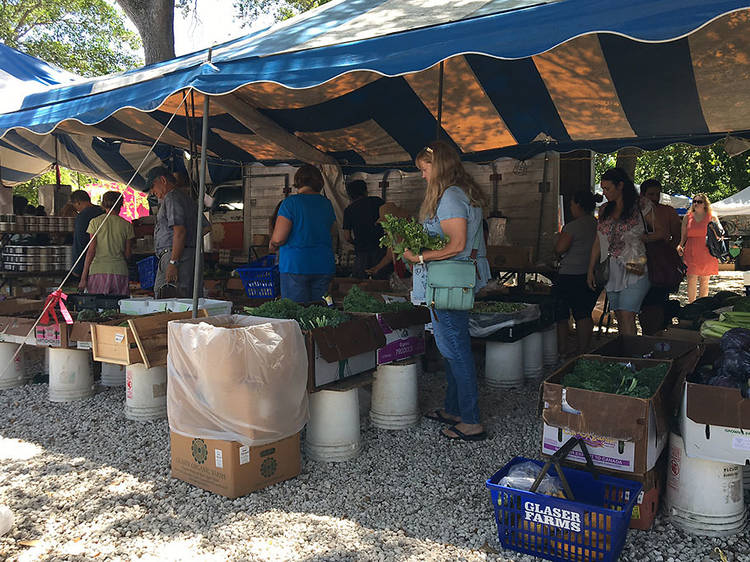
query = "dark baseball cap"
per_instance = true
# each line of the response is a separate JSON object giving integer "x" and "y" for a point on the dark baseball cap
{"x": 155, "y": 173}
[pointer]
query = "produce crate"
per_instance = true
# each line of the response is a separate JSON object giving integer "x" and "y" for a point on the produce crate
{"x": 90, "y": 301}
{"x": 147, "y": 272}
{"x": 590, "y": 528}
{"x": 261, "y": 277}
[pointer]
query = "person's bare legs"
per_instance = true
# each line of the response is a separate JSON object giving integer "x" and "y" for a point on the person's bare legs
{"x": 584, "y": 331}
{"x": 625, "y": 322}
{"x": 692, "y": 287}
{"x": 703, "y": 291}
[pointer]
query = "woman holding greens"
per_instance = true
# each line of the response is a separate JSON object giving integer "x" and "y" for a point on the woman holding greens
{"x": 452, "y": 208}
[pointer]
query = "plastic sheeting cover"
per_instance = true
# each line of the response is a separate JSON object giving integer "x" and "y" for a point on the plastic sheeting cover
{"x": 237, "y": 378}
{"x": 484, "y": 325}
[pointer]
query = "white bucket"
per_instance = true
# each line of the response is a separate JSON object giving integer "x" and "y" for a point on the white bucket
{"x": 746, "y": 477}
{"x": 746, "y": 280}
{"x": 113, "y": 375}
{"x": 70, "y": 374}
{"x": 145, "y": 392}
{"x": 394, "y": 396}
{"x": 704, "y": 497}
{"x": 533, "y": 357}
{"x": 503, "y": 364}
{"x": 549, "y": 345}
{"x": 12, "y": 372}
{"x": 333, "y": 429}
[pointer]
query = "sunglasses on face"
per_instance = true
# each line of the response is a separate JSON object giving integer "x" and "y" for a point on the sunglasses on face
{"x": 699, "y": 202}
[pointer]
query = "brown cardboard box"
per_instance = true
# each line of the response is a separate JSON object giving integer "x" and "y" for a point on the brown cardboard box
{"x": 743, "y": 260}
{"x": 623, "y": 433}
{"x": 403, "y": 331}
{"x": 13, "y": 306}
{"x": 648, "y": 347}
{"x": 680, "y": 334}
{"x": 230, "y": 469}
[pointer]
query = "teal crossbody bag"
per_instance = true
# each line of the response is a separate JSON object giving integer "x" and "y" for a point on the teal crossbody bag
{"x": 451, "y": 283}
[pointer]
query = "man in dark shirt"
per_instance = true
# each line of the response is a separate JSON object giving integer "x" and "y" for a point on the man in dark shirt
{"x": 86, "y": 211}
{"x": 362, "y": 229}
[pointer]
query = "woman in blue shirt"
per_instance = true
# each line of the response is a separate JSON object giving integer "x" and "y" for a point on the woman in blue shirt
{"x": 302, "y": 236}
{"x": 452, "y": 207}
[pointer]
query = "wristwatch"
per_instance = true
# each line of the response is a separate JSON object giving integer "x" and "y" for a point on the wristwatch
{"x": 173, "y": 262}
{"x": 421, "y": 259}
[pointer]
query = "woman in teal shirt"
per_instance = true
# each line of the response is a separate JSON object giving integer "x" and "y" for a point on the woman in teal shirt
{"x": 302, "y": 237}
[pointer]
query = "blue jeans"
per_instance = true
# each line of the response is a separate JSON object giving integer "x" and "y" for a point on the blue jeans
{"x": 304, "y": 288}
{"x": 451, "y": 328}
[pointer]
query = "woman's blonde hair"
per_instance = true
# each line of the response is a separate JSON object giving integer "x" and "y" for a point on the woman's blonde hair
{"x": 704, "y": 197}
{"x": 447, "y": 171}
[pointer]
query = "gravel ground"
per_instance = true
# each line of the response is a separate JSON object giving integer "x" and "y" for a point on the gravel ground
{"x": 86, "y": 484}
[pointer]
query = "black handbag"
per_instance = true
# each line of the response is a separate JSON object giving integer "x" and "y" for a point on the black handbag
{"x": 601, "y": 273}
{"x": 715, "y": 242}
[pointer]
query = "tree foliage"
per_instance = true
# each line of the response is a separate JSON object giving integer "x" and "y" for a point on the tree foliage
{"x": 687, "y": 170}
{"x": 30, "y": 189}
{"x": 250, "y": 10}
{"x": 87, "y": 37}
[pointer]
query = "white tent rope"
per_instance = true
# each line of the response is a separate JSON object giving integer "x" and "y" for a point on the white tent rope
{"x": 93, "y": 236}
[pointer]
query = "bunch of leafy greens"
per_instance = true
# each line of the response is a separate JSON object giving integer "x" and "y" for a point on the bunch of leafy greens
{"x": 488, "y": 307}
{"x": 89, "y": 315}
{"x": 408, "y": 234}
{"x": 309, "y": 318}
{"x": 357, "y": 300}
{"x": 616, "y": 378}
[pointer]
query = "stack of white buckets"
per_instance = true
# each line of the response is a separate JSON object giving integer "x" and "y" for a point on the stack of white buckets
{"x": 333, "y": 432}
{"x": 511, "y": 364}
{"x": 704, "y": 497}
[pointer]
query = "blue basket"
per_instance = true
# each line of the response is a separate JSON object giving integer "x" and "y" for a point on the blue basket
{"x": 261, "y": 277}
{"x": 147, "y": 272}
{"x": 591, "y": 528}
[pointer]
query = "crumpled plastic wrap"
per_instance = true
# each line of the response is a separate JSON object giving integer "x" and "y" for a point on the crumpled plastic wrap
{"x": 237, "y": 378}
{"x": 484, "y": 325}
{"x": 523, "y": 475}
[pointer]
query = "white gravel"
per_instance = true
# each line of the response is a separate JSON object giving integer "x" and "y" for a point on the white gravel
{"x": 86, "y": 484}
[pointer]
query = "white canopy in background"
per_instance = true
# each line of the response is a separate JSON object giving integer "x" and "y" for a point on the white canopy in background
{"x": 737, "y": 204}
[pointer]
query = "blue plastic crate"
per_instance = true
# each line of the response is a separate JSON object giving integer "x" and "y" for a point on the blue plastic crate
{"x": 261, "y": 277}
{"x": 591, "y": 528}
{"x": 147, "y": 272}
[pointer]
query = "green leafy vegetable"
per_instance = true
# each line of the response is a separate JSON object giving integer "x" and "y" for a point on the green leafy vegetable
{"x": 616, "y": 378}
{"x": 408, "y": 234}
{"x": 358, "y": 300}
{"x": 309, "y": 318}
{"x": 487, "y": 307}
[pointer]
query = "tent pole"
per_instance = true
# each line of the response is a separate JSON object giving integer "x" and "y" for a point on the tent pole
{"x": 439, "y": 123}
{"x": 201, "y": 194}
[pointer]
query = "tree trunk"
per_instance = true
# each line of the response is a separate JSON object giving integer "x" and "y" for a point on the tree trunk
{"x": 627, "y": 158}
{"x": 155, "y": 22}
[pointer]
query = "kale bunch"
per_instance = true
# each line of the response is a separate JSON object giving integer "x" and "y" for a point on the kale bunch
{"x": 616, "y": 378}
{"x": 358, "y": 300}
{"x": 309, "y": 318}
{"x": 408, "y": 234}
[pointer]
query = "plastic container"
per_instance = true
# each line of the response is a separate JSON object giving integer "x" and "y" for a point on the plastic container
{"x": 704, "y": 497}
{"x": 213, "y": 307}
{"x": 549, "y": 346}
{"x": 591, "y": 528}
{"x": 147, "y": 271}
{"x": 12, "y": 371}
{"x": 533, "y": 357}
{"x": 70, "y": 374}
{"x": 333, "y": 429}
{"x": 145, "y": 392}
{"x": 394, "y": 403}
{"x": 137, "y": 306}
{"x": 113, "y": 375}
{"x": 261, "y": 277}
{"x": 503, "y": 364}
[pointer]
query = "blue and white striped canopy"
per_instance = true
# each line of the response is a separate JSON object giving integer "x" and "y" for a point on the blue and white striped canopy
{"x": 359, "y": 81}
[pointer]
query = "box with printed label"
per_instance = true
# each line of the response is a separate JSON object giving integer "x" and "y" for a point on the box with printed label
{"x": 231, "y": 469}
{"x": 403, "y": 331}
{"x": 623, "y": 433}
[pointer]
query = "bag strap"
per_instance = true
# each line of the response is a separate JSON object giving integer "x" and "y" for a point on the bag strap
{"x": 475, "y": 246}
{"x": 645, "y": 226}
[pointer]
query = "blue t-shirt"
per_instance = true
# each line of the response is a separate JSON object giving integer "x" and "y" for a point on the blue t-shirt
{"x": 455, "y": 204}
{"x": 309, "y": 248}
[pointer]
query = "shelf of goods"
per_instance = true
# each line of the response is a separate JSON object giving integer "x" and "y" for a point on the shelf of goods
{"x": 28, "y": 224}
{"x": 29, "y": 259}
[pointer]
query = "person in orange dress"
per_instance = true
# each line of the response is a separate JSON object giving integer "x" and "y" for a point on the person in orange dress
{"x": 701, "y": 265}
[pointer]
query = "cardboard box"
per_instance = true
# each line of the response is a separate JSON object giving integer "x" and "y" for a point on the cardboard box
{"x": 340, "y": 352}
{"x": 52, "y": 335}
{"x": 13, "y": 306}
{"x": 231, "y": 469}
{"x": 622, "y": 432}
{"x": 715, "y": 420}
{"x": 645, "y": 347}
{"x": 680, "y": 334}
{"x": 404, "y": 333}
{"x": 514, "y": 257}
{"x": 743, "y": 260}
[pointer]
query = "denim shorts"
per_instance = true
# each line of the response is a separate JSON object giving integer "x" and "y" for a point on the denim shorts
{"x": 630, "y": 298}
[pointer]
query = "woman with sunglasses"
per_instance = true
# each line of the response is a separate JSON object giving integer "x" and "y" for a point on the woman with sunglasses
{"x": 701, "y": 265}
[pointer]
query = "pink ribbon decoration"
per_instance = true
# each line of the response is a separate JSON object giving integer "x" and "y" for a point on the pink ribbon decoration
{"x": 56, "y": 298}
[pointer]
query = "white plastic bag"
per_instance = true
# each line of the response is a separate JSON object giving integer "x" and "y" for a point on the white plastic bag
{"x": 484, "y": 325}
{"x": 237, "y": 378}
{"x": 6, "y": 519}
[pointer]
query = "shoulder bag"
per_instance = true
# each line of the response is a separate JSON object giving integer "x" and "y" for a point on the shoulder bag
{"x": 601, "y": 274}
{"x": 665, "y": 266}
{"x": 715, "y": 242}
{"x": 451, "y": 283}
